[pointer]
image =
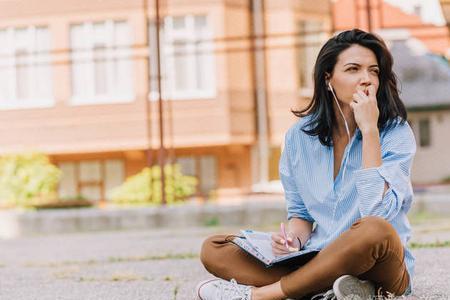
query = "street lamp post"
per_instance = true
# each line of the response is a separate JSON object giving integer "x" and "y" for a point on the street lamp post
{"x": 162, "y": 150}
{"x": 161, "y": 153}
{"x": 369, "y": 19}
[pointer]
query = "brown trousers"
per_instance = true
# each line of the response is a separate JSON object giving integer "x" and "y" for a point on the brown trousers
{"x": 371, "y": 250}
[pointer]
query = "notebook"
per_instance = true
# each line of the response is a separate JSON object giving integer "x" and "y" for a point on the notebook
{"x": 258, "y": 244}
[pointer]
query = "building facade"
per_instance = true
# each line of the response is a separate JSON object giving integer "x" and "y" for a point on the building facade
{"x": 78, "y": 81}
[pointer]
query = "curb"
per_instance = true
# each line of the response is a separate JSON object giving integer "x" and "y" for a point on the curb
{"x": 16, "y": 223}
{"x": 253, "y": 212}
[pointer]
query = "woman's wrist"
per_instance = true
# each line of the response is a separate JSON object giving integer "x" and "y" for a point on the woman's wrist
{"x": 369, "y": 131}
{"x": 298, "y": 240}
{"x": 300, "y": 245}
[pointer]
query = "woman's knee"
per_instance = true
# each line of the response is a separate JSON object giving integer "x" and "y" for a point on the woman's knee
{"x": 376, "y": 227}
{"x": 210, "y": 248}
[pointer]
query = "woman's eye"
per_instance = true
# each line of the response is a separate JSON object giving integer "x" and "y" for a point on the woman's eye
{"x": 352, "y": 69}
{"x": 376, "y": 71}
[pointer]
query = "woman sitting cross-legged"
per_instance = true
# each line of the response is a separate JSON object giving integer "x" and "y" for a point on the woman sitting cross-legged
{"x": 345, "y": 169}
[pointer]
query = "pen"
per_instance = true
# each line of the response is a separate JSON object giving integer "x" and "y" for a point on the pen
{"x": 283, "y": 231}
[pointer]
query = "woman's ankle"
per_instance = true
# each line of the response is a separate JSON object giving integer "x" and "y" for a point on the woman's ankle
{"x": 268, "y": 292}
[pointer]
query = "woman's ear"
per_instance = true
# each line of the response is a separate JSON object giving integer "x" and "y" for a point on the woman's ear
{"x": 327, "y": 80}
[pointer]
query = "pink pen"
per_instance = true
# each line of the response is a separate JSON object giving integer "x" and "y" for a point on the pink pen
{"x": 283, "y": 231}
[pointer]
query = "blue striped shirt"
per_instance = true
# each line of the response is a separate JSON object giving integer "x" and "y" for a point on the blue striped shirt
{"x": 312, "y": 193}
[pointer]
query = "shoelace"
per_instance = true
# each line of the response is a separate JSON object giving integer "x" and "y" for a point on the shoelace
{"x": 382, "y": 295}
{"x": 328, "y": 295}
{"x": 232, "y": 291}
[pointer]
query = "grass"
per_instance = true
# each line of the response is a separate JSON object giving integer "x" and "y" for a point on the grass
{"x": 121, "y": 276}
{"x": 175, "y": 292}
{"x": 436, "y": 244}
{"x": 67, "y": 272}
{"x": 168, "y": 256}
{"x": 126, "y": 276}
{"x": 423, "y": 217}
{"x": 212, "y": 222}
{"x": 188, "y": 255}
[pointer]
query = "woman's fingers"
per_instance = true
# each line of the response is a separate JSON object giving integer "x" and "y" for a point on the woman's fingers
{"x": 371, "y": 92}
{"x": 279, "y": 249}
{"x": 360, "y": 96}
{"x": 363, "y": 94}
{"x": 277, "y": 238}
{"x": 293, "y": 242}
{"x": 278, "y": 244}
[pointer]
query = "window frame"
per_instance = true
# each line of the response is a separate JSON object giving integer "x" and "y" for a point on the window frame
{"x": 34, "y": 56}
{"x": 197, "y": 161}
{"x": 190, "y": 36}
{"x": 100, "y": 183}
{"x": 311, "y": 41}
{"x": 424, "y": 129}
{"x": 113, "y": 53}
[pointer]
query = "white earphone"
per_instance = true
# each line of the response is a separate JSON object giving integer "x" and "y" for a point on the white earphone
{"x": 330, "y": 88}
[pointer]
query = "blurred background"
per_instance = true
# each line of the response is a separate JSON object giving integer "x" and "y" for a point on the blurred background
{"x": 96, "y": 95}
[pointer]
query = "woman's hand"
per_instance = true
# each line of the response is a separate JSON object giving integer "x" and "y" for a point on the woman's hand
{"x": 279, "y": 245}
{"x": 365, "y": 109}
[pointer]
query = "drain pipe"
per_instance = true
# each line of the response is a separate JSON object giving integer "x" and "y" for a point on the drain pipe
{"x": 259, "y": 70}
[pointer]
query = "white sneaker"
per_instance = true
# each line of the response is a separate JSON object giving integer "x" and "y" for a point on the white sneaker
{"x": 219, "y": 289}
{"x": 349, "y": 287}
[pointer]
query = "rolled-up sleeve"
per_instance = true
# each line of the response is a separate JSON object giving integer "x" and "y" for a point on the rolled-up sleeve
{"x": 398, "y": 149}
{"x": 294, "y": 203}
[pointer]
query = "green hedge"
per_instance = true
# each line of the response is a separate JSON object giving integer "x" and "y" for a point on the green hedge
{"x": 136, "y": 189}
{"x": 27, "y": 179}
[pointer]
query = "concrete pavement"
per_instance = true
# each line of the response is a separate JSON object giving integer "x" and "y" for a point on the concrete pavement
{"x": 68, "y": 255}
{"x": 159, "y": 264}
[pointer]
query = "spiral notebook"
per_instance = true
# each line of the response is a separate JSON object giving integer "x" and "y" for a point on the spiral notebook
{"x": 258, "y": 245}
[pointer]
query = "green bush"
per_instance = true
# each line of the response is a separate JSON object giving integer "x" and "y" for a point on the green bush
{"x": 27, "y": 179}
{"x": 136, "y": 189}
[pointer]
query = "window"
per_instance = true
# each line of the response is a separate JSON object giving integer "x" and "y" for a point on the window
{"x": 68, "y": 182}
{"x": 114, "y": 175}
{"x": 101, "y": 62}
{"x": 187, "y": 58}
{"x": 208, "y": 174}
{"x": 187, "y": 165}
{"x": 424, "y": 132}
{"x": 25, "y": 68}
{"x": 202, "y": 167}
{"x": 311, "y": 37}
{"x": 90, "y": 179}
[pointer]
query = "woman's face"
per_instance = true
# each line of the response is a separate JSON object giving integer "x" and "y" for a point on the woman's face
{"x": 356, "y": 69}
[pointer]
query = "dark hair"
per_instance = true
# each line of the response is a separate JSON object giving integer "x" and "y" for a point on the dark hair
{"x": 320, "y": 108}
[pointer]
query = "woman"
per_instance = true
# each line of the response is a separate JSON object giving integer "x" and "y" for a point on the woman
{"x": 346, "y": 168}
